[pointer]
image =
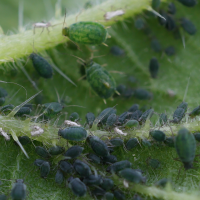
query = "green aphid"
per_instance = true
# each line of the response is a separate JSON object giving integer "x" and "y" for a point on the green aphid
{"x": 171, "y": 8}
{"x": 3, "y": 197}
{"x": 2, "y": 101}
{"x": 38, "y": 162}
{"x": 142, "y": 94}
{"x": 121, "y": 89}
{"x": 78, "y": 187}
{"x": 136, "y": 115}
{"x": 73, "y": 133}
{"x": 185, "y": 145}
{"x": 103, "y": 116}
{"x": 156, "y": 46}
{"x": 93, "y": 180}
{"x": 73, "y": 152}
{"x": 128, "y": 93}
{"x": 59, "y": 178}
{"x": 195, "y": 112}
{"x": 170, "y": 51}
{"x": 183, "y": 105}
{"x": 131, "y": 123}
{"x": 52, "y": 109}
{"x": 7, "y": 109}
{"x": 66, "y": 167}
{"x": 29, "y": 105}
{"x": 171, "y": 23}
{"x": 158, "y": 135}
{"x": 110, "y": 122}
{"x": 146, "y": 143}
{"x": 82, "y": 168}
{"x": 100, "y": 80}
{"x": 107, "y": 184}
{"x": 145, "y": 115}
{"x": 116, "y": 142}
{"x": 108, "y": 196}
{"x": 132, "y": 175}
{"x": 169, "y": 141}
{"x": 188, "y": 3}
{"x": 155, "y": 4}
{"x": 154, "y": 67}
{"x": 43, "y": 68}
{"x": 163, "y": 119}
{"x": 109, "y": 159}
{"x": 197, "y": 136}
{"x": 178, "y": 115}
{"x": 98, "y": 146}
{"x": 154, "y": 163}
{"x": 116, "y": 51}
{"x": 133, "y": 108}
{"x": 123, "y": 117}
{"x": 24, "y": 140}
{"x": 162, "y": 21}
{"x": 18, "y": 191}
{"x": 23, "y": 111}
{"x": 132, "y": 143}
{"x": 3, "y": 92}
{"x": 119, "y": 195}
{"x": 74, "y": 117}
{"x": 118, "y": 166}
{"x": 90, "y": 117}
{"x": 94, "y": 158}
{"x": 42, "y": 152}
{"x": 91, "y": 33}
{"x": 140, "y": 23}
{"x": 56, "y": 150}
{"x": 44, "y": 169}
{"x": 162, "y": 183}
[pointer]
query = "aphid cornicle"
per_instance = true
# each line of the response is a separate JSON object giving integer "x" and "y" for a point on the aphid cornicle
{"x": 185, "y": 145}
{"x": 18, "y": 191}
{"x": 91, "y": 33}
{"x": 154, "y": 67}
{"x": 43, "y": 68}
{"x": 188, "y": 3}
{"x": 195, "y": 112}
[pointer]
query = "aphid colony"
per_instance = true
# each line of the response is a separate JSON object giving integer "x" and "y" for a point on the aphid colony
{"x": 76, "y": 164}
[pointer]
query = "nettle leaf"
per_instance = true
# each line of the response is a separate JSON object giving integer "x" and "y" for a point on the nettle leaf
{"x": 178, "y": 73}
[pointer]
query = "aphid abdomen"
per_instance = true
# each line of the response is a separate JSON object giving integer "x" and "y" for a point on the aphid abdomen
{"x": 87, "y": 33}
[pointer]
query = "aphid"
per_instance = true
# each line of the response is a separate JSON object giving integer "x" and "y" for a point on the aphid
{"x": 188, "y": 3}
{"x": 73, "y": 152}
{"x": 98, "y": 146}
{"x": 65, "y": 166}
{"x": 94, "y": 158}
{"x": 136, "y": 115}
{"x": 145, "y": 115}
{"x": 74, "y": 117}
{"x": 78, "y": 187}
{"x": 197, "y": 136}
{"x": 18, "y": 191}
{"x": 188, "y": 26}
{"x": 43, "y": 68}
{"x": 3, "y": 197}
{"x": 137, "y": 197}
{"x": 133, "y": 142}
{"x": 90, "y": 117}
{"x": 2, "y": 101}
{"x": 73, "y": 133}
{"x": 172, "y": 8}
{"x": 108, "y": 196}
{"x": 128, "y": 93}
{"x": 123, "y": 117}
{"x": 162, "y": 21}
{"x": 119, "y": 195}
{"x": 52, "y": 109}
{"x": 163, "y": 119}
{"x": 154, "y": 67}
{"x": 98, "y": 192}
{"x": 171, "y": 24}
{"x": 23, "y": 111}
{"x": 42, "y": 152}
{"x": 155, "y": 45}
{"x": 82, "y": 168}
{"x": 29, "y": 105}
{"x": 132, "y": 175}
{"x": 116, "y": 142}
{"x": 155, "y": 4}
{"x": 111, "y": 14}
{"x": 121, "y": 89}
{"x": 3, "y": 92}
{"x": 36, "y": 130}
{"x": 110, "y": 122}
{"x": 162, "y": 182}
{"x": 183, "y": 105}
{"x": 185, "y": 145}
{"x": 24, "y": 140}
{"x": 56, "y": 150}
{"x": 93, "y": 180}
{"x": 118, "y": 166}
{"x": 109, "y": 159}
{"x": 116, "y": 51}
{"x": 107, "y": 184}
{"x": 44, "y": 169}
{"x": 178, "y": 115}
{"x": 133, "y": 108}
{"x": 140, "y": 23}
{"x": 59, "y": 178}
{"x": 195, "y": 112}
{"x": 38, "y": 162}
{"x": 169, "y": 141}
{"x": 131, "y": 124}
{"x": 158, "y": 135}
{"x": 142, "y": 94}
{"x": 41, "y": 25}
{"x": 100, "y": 80}
{"x": 154, "y": 163}
{"x": 7, "y": 109}
{"x": 91, "y": 33}
{"x": 146, "y": 143}
{"x": 170, "y": 51}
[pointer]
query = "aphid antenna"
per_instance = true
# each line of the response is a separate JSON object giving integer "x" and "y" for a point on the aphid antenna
{"x": 186, "y": 89}
{"x": 156, "y": 13}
